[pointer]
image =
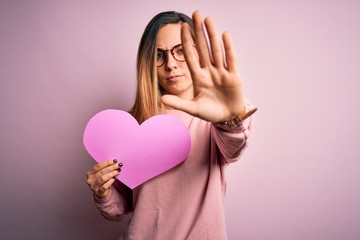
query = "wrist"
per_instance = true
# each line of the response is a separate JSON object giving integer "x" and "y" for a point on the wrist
{"x": 103, "y": 196}
{"x": 236, "y": 120}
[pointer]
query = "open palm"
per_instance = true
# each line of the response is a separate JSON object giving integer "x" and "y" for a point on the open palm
{"x": 218, "y": 90}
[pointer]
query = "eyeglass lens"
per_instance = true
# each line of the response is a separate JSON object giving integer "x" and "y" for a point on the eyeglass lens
{"x": 176, "y": 52}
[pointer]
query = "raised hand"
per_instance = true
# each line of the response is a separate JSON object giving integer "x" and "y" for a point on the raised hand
{"x": 218, "y": 89}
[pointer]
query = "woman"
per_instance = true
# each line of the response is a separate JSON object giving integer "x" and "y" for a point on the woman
{"x": 205, "y": 91}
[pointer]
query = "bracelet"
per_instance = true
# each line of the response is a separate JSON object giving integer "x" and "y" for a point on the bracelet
{"x": 235, "y": 121}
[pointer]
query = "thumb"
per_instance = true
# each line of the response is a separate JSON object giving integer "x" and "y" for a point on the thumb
{"x": 175, "y": 102}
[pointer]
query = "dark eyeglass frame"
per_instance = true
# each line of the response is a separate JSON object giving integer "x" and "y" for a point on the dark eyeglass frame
{"x": 172, "y": 53}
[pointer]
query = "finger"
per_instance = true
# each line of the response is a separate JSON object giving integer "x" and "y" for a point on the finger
{"x": 187, "y": 41}
{"x": 215, "y": 43}
{"x": 99, "y": 166}
{"x": 180, "y": 104}
{"x": 108, "y": 169}
{"x": 103, "y": 179}
{"x": 201, "y": 41}
{"x": 105, "y": 187}
{"x": 230, "y": 55}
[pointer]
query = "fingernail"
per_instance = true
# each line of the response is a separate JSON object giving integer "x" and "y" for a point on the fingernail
{"x": 113, "y": 177}
{"x": 115, "y": 160}
{"x": 121, "y": 164}
{"x": 119, "y": 170}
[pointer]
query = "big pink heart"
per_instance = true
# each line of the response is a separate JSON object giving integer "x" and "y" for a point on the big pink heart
{"x": 147, "y": 150}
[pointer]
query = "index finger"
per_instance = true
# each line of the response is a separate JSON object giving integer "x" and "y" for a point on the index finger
{"x": 189, "y": 50}
{"x": 101, "y": 165}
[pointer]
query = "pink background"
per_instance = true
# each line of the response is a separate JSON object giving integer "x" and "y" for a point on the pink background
{"x": 63, "y": 61}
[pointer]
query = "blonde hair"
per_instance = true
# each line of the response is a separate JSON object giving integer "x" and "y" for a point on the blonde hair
{"x": 147, "y": 101}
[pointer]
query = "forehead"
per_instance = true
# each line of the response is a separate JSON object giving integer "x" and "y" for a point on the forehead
{"x": 169, "y": 36}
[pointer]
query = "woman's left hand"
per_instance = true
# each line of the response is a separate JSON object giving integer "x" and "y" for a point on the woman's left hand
{"x": 218, "y": 89}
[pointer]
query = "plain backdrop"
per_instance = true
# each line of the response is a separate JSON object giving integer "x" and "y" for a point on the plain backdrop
{"x": 63, "y": 61}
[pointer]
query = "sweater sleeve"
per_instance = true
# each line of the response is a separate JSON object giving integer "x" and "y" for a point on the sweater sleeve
{"x": 232, "y": 141}
{"x": 116, "y": 204}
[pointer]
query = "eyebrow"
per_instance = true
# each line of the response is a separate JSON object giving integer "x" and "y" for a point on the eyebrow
{"x": 160, "y": 49}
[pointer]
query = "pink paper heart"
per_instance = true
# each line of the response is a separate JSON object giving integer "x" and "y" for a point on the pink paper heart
{"x": 147, "y": 150}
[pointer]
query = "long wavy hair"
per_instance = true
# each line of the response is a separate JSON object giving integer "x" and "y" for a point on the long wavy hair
{"x": 147, "y": 101}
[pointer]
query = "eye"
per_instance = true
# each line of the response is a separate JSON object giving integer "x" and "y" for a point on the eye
{"x": 179, "y": 50}
{"x": 160, "y": 55}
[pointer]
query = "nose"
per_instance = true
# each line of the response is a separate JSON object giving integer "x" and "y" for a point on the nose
{"x": 171, "y": 62}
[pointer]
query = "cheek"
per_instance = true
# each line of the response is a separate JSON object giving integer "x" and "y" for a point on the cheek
{"x": 160, "y": 79}
{"x": 186, "y": 70}
{"x": 159, "y": 76}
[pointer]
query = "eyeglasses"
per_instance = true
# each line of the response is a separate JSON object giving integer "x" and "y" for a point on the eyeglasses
{"x": 177, "y": 52}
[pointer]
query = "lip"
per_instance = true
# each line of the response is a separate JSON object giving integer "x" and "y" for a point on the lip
{"x": 174, "y": 77}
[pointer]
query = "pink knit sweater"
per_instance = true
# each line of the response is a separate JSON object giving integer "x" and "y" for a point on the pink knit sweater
{"x": 186, "y": 202}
